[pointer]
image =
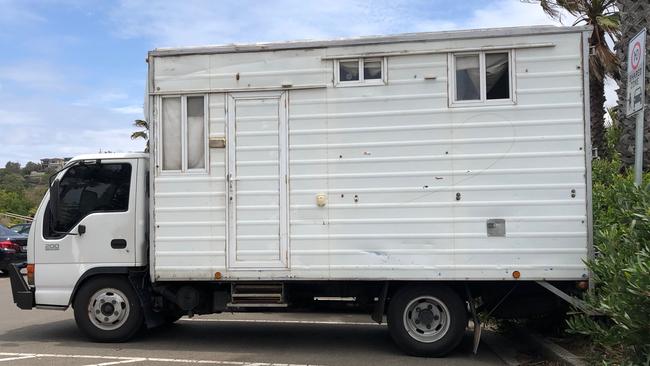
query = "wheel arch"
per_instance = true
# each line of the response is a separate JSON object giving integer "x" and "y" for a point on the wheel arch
{"x": 96, "y": 272}
{"x": 456, "y": 286}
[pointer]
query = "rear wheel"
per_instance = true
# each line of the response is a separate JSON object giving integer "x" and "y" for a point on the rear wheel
{"x": 427, "y": 321}
{"x": 107, "y": 309}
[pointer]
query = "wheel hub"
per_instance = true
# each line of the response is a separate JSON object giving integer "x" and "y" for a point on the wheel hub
{"x": 426, "y": 319}
{"x": 108, "y": 309}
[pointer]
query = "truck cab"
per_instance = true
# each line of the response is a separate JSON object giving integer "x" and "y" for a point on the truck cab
{"x": 97, "y": 224}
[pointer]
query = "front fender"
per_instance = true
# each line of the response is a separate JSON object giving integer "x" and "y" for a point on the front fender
{"x": 56, "y": 284}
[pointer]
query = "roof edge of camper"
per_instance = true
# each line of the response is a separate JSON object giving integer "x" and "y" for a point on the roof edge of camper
{"x": 370, "y": 40}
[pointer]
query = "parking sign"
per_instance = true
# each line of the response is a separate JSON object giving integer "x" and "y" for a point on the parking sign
{"x": 636, "y": 74}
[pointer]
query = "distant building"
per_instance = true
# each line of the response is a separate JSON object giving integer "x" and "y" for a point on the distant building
{"x": 57, "y": 163}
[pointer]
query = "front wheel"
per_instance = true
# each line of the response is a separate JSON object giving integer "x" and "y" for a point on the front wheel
{"x": 107, "y": 309}
{"x": 427, "y": 321}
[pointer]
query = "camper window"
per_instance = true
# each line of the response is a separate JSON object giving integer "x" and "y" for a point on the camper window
{"x": 372, "y": 70}
{"x": 349, "y": 71}
{"x": 360, "y": 72}
{"x": 171, "y": 133}
{"x": 482, "y": 77}
{"x": 468, "y": 79}
{"x": 184, "y": 142}
{"x": 497, "y": 80}
{"x": 195, "y": 133}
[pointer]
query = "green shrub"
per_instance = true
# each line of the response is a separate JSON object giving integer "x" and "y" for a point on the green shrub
{"x": 621, "y": 267}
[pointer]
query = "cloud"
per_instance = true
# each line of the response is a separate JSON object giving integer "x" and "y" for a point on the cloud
{"x": 102, "y": 98}
{"x": 496, "y": 14}
{"x": 509, "y": 13}
{"x": 200, "y": 22}
{"x": 197, "y": 22}
{"x": 34, "y": 75}
{"x": 129, "y": 109}
{"x": 57, "y": 129}
{"x": 16, "y": 118}
{"x": 17, "y": 12}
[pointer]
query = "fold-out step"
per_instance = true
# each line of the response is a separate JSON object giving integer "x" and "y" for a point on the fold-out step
{"x": 257, "y": 295}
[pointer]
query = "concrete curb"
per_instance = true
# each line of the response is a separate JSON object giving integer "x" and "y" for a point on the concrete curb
{"x": 550, "y": 350}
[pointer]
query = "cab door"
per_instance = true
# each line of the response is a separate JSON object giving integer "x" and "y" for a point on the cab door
{"x": 94, "y": 227}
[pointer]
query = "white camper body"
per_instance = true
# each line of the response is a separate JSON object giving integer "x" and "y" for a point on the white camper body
{"x": 309, "y": 177}
{"x": 413, "y": 177}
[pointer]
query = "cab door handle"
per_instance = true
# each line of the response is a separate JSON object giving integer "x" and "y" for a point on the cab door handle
{"x": 118, "y": 243}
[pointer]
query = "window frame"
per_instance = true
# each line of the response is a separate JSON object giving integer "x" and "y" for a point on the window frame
{"x": 482, "y": 101}
{"x": 362, "y": 81}
{"x": 184, "y": 148}
{"x": 46, "y": 230}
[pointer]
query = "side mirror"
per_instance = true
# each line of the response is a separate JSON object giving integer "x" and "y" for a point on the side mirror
{"x": 54, "y": 202}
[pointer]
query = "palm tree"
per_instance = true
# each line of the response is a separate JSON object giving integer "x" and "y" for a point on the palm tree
{"x": 603, "y": 16}
{"x": 143, "y": 133}
{"x": 635, "y": 15}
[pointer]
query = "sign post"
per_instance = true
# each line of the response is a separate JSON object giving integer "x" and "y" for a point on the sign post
{"x": 635, "y": 101}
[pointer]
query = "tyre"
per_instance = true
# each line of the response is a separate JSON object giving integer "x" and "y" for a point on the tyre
{"x": 427, "y": 320}
{"x": 107, "y": 309}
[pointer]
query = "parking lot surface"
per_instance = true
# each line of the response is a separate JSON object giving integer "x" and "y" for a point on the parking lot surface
{"x": 46, "y": 337}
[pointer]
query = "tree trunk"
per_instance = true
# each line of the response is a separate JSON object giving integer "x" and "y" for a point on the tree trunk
{"x": 597, "y": 105}
{"x": 635, "y": 15}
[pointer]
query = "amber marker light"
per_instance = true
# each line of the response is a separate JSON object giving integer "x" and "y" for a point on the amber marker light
{"x": 217, "y": 275}
{"x": 30, "y": 274}
{"x": 516, "y": 275}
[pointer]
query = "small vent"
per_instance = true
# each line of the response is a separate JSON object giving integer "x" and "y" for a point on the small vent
{"x": 496, "y": 227}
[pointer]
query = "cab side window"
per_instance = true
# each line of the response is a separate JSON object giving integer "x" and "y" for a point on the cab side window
{"x": 86, "y": 189}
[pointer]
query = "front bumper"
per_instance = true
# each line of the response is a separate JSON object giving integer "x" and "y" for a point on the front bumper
{"x": 22, "y": 293}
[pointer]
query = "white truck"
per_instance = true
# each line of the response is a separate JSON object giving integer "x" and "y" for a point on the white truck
{"x": 416, "y": 176}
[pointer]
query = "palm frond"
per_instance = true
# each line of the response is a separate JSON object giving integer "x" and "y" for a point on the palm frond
{"x": 141, "y": 123}
{"x": 139, "y": 135}
{"x": 609, "y": 23}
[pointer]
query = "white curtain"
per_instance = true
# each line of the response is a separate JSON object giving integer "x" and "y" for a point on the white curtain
{"x": 195, "y": 133}
{"x": 468, "y": 80}
{"x": 171, "y": 133}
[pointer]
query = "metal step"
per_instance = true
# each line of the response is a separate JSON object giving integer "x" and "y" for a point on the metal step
{"x": 257, "y": 295}
{"x": 256, "y": 305}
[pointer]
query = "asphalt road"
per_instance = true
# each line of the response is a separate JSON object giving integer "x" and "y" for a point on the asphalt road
{"x": 47, "y": 337}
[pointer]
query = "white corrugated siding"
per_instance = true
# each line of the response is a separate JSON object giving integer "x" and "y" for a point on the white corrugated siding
{"x": 391, "y": 160}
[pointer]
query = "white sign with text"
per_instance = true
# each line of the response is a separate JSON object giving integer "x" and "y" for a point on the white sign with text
{"x": 636, "y": 74}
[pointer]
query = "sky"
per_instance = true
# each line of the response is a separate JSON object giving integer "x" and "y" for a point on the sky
{"x": 72, "y": 72}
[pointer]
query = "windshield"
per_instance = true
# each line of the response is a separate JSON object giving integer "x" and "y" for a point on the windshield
{"x": 7, "y": 232}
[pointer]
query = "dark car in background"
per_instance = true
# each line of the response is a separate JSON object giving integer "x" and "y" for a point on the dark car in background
{"x": 13, "y": 248}
{"x": 22, "y": 228}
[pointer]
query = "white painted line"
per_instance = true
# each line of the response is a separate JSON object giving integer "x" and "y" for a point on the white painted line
{"x": 118, "y": 362}
{"x": 324, "y": 322}
{"x": 123, "y": 360}
{"x": 15, "y": 358}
